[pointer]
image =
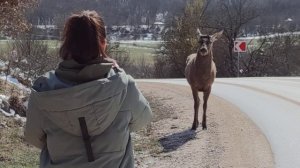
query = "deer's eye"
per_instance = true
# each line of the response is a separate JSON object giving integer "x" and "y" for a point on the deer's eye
{"x": 204, "y": 42}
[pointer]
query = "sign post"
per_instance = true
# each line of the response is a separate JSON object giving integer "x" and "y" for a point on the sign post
{"x": 239, "y": 46}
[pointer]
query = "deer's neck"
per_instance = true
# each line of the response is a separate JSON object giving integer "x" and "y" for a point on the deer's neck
{"x": 204, "y": 65}
{"x": 204, "y": 61}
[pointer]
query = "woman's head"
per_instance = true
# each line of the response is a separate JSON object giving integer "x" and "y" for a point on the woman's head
{"x": 84, "y": 37}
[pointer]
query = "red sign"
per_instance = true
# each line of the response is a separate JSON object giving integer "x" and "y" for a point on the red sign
{"x": 240, "y": 46}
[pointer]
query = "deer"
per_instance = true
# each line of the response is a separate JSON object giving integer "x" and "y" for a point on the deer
{"x": 200, "y": 72}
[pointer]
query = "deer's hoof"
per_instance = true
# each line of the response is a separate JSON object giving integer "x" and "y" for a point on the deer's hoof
{"x": 195, "y": 125}
{"x": 204, "y": 127}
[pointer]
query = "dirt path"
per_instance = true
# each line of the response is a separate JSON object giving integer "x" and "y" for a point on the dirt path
{"x": 232, "y": 140}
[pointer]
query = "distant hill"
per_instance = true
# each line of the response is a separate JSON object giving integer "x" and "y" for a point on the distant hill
{"x": 145, "y": 12}
{"x": 115, "y": 12}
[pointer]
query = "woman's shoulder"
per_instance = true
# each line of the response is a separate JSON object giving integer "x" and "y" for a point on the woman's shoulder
{"x": 121, "y": 72}
{"x": 47, "y": 82}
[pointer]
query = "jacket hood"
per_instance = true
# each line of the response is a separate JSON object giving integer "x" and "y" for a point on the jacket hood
{"x": 69, "y": 71}
{"x": 97, "y": 101}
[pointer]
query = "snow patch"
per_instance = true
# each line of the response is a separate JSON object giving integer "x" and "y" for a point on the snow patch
{"x": 17, "y": 117}
{"x": 3, "y": 97}
{"x": 15, "y": 82}
{"x": 139, "y": 41}
{"x": 270, "y": 36}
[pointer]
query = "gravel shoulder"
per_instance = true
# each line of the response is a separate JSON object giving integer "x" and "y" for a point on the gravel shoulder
{"x": 232, "y": 139}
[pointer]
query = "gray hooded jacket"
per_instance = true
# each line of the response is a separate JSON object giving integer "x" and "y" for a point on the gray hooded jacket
{"x": 108, "y": 100}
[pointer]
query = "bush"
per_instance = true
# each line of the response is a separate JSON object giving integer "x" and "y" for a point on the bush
{"x": 180, "y": 40}
{"x": 16, "y": 103}
{"x": 138, "y": 69}
{"x": 142, "y": 69}
{"x": 30, "y": 59}
{"x": 276, "y": 56}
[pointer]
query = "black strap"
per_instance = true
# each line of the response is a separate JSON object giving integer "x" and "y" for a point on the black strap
{"x": 86, "y": 139}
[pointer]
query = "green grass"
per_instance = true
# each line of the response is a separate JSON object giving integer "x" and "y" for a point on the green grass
{"x": 137, "y": 53}
{"x": 136, "y": 50}
{"x": 3, "y": 45}
{"x": 140, "y": 50}
{"x": 52, "y": 43}
{"x": 151, "y": 44}
{"x": 2, "y": 91}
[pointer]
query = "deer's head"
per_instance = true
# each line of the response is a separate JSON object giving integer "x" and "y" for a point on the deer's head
{"x": 206, "y": 42}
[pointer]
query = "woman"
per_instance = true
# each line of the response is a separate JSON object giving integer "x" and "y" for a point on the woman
{"x": 81, "y": 114}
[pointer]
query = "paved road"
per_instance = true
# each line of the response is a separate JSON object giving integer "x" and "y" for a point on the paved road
{"x": 273, "y": 104}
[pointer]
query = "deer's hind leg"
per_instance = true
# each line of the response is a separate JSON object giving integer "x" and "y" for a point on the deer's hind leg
{"x": 196, "y": 108}
{"x": 205, "y": 99}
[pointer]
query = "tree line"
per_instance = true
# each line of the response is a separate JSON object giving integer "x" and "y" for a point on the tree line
{"x": 276, "y": 56}
{"x": 115, "y": 12}
{"x": 238, "y": 18}
{"x": 277, "y": 14}
{"x": 134, "y": 12}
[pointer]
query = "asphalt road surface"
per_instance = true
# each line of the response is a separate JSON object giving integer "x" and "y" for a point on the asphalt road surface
{"x": 274, "y": 106}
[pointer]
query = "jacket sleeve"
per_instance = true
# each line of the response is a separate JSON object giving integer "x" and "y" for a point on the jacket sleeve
{"x": 140, "y": 108}
{"x": 34, "y": 133}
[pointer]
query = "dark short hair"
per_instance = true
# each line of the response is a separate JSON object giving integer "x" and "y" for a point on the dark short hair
{"x": 81, "y": 37}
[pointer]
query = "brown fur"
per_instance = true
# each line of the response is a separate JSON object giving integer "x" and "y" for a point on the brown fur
{"x": 200, "y": 73}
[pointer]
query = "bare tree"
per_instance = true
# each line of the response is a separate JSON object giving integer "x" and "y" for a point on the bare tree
{"x": 231, "y": 16}
{"x": 33, "y": 58}
{"x": 180, "y": 40}
{"x": 12, "y": 20}
{"x": 273, "y": 56}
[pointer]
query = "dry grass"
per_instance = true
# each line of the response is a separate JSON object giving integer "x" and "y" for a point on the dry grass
{"x": 146, "y": 141}
{"x": 15, "y": 153}
{"x": 8, "y": 89}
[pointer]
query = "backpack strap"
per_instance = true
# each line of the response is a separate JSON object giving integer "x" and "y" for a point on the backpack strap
{"x": 86, "y": 139}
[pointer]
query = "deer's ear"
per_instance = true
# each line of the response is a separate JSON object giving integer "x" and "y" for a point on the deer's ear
{"x": 198, "y": 33}
{"x": 216, "y": 36}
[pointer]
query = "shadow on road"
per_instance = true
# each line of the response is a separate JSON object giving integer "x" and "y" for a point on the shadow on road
{"x": 174, "y": 141}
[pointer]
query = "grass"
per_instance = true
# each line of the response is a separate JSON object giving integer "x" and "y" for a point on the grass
{"x": 7, "y": 88}
{"x": 136, "y": 50}
{"x": 15, "y": 153}
{"x": 51, "y": 43}
{"x": 136, "y": 53}
{"x": 147, "y": 139}
{"x": 3, "y": 46}
{"x": 2, "y": 90}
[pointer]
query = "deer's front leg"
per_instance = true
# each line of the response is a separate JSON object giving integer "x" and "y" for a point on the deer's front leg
{"x": 196, "y": 109}
{"x": 205, "y": 99}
